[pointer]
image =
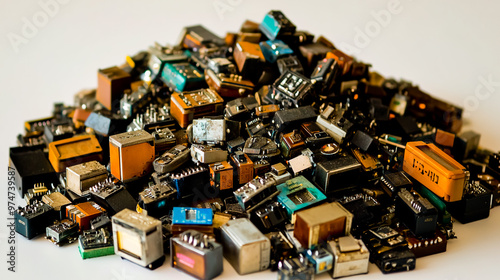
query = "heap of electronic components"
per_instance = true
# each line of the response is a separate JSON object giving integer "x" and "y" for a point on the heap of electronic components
{"x": 269, "y": 147}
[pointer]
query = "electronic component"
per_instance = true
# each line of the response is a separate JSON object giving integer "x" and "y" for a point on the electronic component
{"x": 268, "y": 216}
{"x": 474, "y": 205}
{"x": 274, "y": 49}
{"x": 293, "y": 117}
{"x": 289, "y": 63}
{"x": 35, "y": 193}
{"x": 351, "y": 256}
{"x": 366, "y": 209}
{"x": 244, "y": 167}
{"x": 95, "y": 243}
{"x": 101, "y": 221}
{"x": 190, "y": 179}
{"x": 111, "y": 83}
{"x": 276, "y": 24}
{"x": 256, "y": 192}
{"x": 260, "y": 146}
{"x": 138, "y": 238}
{"x": 297, "y": 194}
{"x": 436, "y": 170}
{"x": 228, "y": 85}
{"x": 67, "y": 152}
{"x": 113, "y": 196}
{"x": 131, "y": 154}
{"x": 164, "y": 140}
{"x": 332, "y": 120}
{"x": 83, "y": 212}
{"x": 321, "y": 223}
{"x": 222, "y": 175}
{"x": 155, "y": 200}
{"x": 248, "y": 57}
{"x": 245, "y": 247}
{"x": 182, "y": 76}
{"x": 196, "y": 254}
{"x": 197, "y": 36}
{"x": 337, "y": 174}
{"x": 389, "y": 250}
{"x": 314, "y": 136}
{"x": 133, "y": 102}
{"x": 32, "y": 167}
{"x": 212, "y": 131}
{"x": 291, "y": 144}
{"x": 62, "y": 232}
{"x": 207, "y": 154}
{"x": 187, "y": 106}
{"x": 393, "y": 182}
{"x": 57, "y": 201}
{"x": 153, "y": 119}
{"x": 416, "y": 212}
{"x": 422, "y": 247}
{"x": 321, "y": 259}
{"x": 296, "y": 268}
{"x": 292, "y": 90}
{"x": 325, "y": 74}
{"x": 79, "y": 178}
{"x": 159, "y": 56}
{"x": 33, "y": 219}
{"x": 300, "y": 164}
{"x": 192, "y": 216}
{"x": 172, "y": 159}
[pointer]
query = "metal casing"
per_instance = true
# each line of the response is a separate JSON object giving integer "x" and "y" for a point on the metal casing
{"x": 436, "y": 170}
{"x": 131, "y": 154}
{"x": 80, "y": 177}
{"x": 320, "y": 223}
{"x": 137, "y": 237}
{"x": 348, "y": 260}
{"x": 245, "y": 247}
{"x": 201, "y": 259}
{"x": 68, "y": 152}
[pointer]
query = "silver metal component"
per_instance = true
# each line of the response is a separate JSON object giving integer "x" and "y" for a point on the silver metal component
{"x": 245, "y": 247}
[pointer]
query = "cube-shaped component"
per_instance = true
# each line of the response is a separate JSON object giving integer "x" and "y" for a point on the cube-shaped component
{"x": 321, "y": 223}
{"x": 57, "y": 201}
{"x": 197, "y": 255}
{"x": 275, "y": 23}
{"x": 138, "y": 238}
{"x": 222, "y": 175}
{"x": 182, "y": 76}
{"x": 75, "y": 150}
{"x": 111, "y": 83}
{"x": 32, "y": 167}
{"x": 351, "y": 256}
{"x": 244, "y": 167}
{"x": 32, "y": 220}
{"x": 80, "y": 177}
{"x": 95, "y": 243}
{"x": 131, "y": 154}
{"x": 192, "y": 216}
{"x": 184, "y": 107}
{"x": 337, "y": 173}
{"x": 245, "y": 247}
{"x": 321, "y": 259}
{"x": 248, "y": 57}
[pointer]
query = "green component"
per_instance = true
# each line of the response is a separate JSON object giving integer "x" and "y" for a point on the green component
{"x": 97, "y": 252}
{"x": 182, "y": 76}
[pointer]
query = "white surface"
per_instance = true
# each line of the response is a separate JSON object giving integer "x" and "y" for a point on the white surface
{"x": 446, "y": 47}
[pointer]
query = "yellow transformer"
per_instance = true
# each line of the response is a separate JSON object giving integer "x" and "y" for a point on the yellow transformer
{"x": 436, "y": 170}
{"x": 131, "y": 154}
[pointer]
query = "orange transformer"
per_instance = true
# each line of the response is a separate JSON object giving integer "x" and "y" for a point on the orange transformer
{"x": 131, "y": 154}
{"x": 82, "y": 213}
{"x": 244, "y": 167}
{"x": 111, "y": 83}
{"x": 222, "y": 175}
{"x": 186, "y": 106}
{"x": 436, "y": 170}
{"x": 79, "y": 149}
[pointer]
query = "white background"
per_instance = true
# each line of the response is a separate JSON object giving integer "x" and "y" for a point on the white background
{"x": 446, "y": 47}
